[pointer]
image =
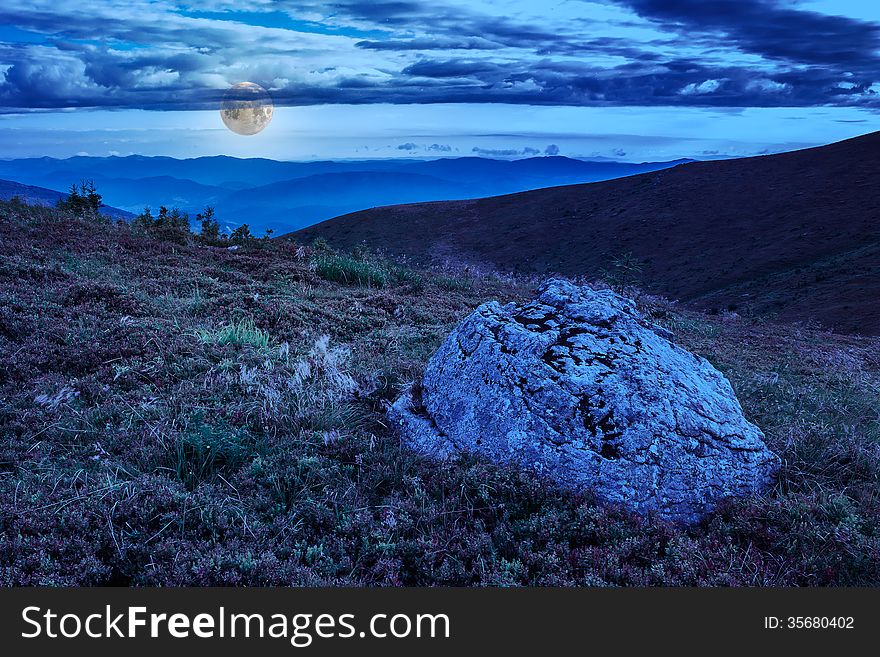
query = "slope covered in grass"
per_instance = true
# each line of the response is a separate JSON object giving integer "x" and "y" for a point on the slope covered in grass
{"x": 185, "y": 414}
{"x": 794, "y": 235}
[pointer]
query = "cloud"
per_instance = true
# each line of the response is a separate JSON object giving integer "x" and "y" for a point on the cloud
{"x": 772, "y": 29}
{"x": 704, "y": 87}
{"x": 157, "y": 55}
{"x": 431, "y": 43}
{"x": 526, "y": 151}
{"x": 431, "y": 148}
{"x": 496, "y": 152}
{"x": 552, "y": 149}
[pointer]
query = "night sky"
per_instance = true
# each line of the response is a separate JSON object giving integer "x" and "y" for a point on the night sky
{"x": 627, "y": 79}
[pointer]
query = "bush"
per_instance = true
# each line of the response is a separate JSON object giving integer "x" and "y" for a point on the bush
{"x": 626, "y": 271}
{"x": 242, "y": 235}
{"x": 83, "y": 200}
{"x": 170, "y": 225}
{"x": 210, "y": 227}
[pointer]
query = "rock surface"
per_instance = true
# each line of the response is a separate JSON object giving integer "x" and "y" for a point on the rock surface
{"x": 580, "y": 386}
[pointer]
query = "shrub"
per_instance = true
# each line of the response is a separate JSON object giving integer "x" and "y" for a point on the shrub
{"x": 83, "y": 200}
{"x": 210, "y": 227}
{"x": 320, "y": 245}
{"x": 242, "y": 235}
{"x": 625, "y": 272}
{"x": 170, "y": 225}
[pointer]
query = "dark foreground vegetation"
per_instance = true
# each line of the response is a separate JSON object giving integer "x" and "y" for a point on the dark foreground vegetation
{"x": 177, "y": 413}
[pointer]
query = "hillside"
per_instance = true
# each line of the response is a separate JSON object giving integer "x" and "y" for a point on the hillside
{"x": 794, "y": 236}
{"x": 175, "y": 413}
{"x": 286, "y": 196}
{"x": 302, "y": 201}
{"x": 48, "y": 197}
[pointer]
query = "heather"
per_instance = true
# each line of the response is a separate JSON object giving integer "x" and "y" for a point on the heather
{"x": 173, "y": 412}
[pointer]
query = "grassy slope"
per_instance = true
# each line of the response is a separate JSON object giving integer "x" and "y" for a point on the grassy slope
{"x": 795, "y": 234}
{"x": 170, "y": 414}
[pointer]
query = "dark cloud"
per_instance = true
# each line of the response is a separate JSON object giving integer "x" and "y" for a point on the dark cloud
{"x": 431, "y": 43}
{"x": 552, "y": 149}
{"x": 453, "y": 68}
{"x": 151, "y": 56}
{"x": 772, "y": 29}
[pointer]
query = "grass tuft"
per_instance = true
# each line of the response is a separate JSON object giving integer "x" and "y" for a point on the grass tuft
{"x": 239, "y": 334}
{"x": 350, "y": 271}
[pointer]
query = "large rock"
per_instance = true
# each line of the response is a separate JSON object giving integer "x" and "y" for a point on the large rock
{"x": 580, "y": 386}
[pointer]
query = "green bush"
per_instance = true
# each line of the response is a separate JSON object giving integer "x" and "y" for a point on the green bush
{"x": 242, "y": 235}
{"x": 169, "y": 225}
{"x": 83, "y": 200}
{"x": 210, "y": 233}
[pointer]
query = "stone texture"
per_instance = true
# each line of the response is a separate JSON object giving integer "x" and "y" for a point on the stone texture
{"x": 580, "y": 386}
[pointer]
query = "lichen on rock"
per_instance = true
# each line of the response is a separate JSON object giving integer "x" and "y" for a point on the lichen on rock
{"x": 578, "y": 385}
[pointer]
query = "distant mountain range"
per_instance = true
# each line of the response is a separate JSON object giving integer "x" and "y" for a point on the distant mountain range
{"x": 288, "y": 195}
{"x": 49, "y": 197}
{"x": 794, "y": 236}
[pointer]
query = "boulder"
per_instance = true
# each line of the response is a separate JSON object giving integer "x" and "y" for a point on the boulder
{"x": 579, "y": 386}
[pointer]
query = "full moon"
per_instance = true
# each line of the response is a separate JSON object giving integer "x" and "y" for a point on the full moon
{"x": 246, "y": 108}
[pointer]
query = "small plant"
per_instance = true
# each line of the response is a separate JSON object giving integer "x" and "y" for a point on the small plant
{"x": 242, "y": 235}
{"x": 349, "y": 271}
{"x": 454, "y": 284}
{"x": 210, "y": 233}
{"x": 412, "y": 280}
{"x": 320, "y": 245}
{"x": 203, "y": 452}
{"x": 310, "y": 391}
{"x": 239, "y": 333}
{"x": 626, "y": 271}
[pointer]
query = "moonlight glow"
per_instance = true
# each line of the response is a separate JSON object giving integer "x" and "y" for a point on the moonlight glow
{"x": 246, "y": 109}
